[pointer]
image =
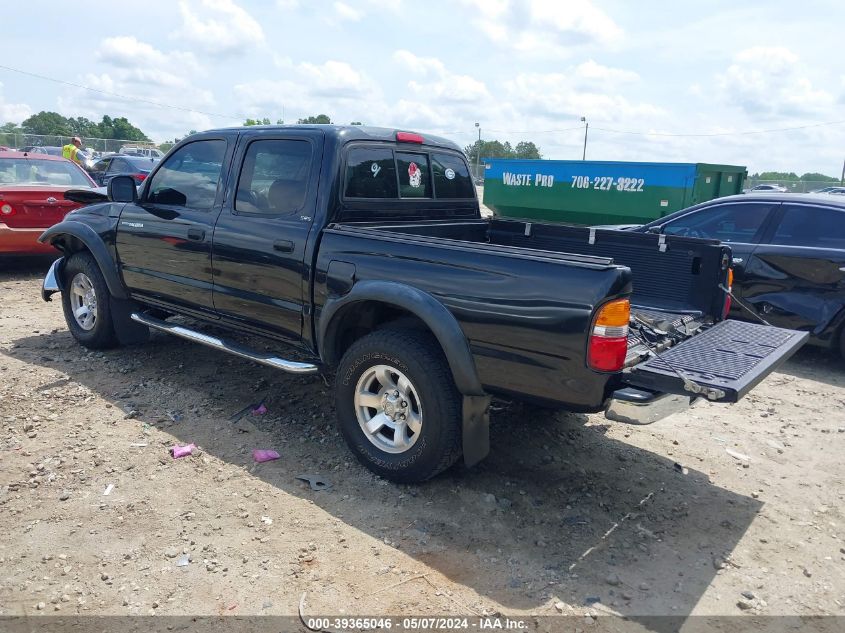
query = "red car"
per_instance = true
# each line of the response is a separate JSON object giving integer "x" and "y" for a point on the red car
{"x": 32, "y": 188}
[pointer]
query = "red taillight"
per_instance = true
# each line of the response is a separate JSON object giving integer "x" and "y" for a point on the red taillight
{"x": 408, "y": 137}
{"x": 6, "y": 209}
{"x": 608, "y": 343}
{"x": 139, "y": 177}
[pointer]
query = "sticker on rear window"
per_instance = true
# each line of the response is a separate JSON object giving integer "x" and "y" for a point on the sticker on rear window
{"x": 449, "y": 173}
{"x": 375, "y": 168}
{"x": 414, "y": 175}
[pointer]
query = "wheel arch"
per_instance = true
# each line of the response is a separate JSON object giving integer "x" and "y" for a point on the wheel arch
{"x": 70, "y": 237}
{"x": 371, "y": 304}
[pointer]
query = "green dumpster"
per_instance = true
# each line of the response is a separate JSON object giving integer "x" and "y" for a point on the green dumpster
{"x": 602, "y": 192}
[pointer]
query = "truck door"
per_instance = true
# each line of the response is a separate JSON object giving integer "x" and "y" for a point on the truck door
{"x": 260, "y": 277}
{"x": 164, "y": 240}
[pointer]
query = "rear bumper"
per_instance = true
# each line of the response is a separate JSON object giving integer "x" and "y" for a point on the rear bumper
{"x": 640, "y": 406}
{"x": 22, "y": 241}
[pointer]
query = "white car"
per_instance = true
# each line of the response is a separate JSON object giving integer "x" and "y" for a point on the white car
{"x": 768, "y": 188}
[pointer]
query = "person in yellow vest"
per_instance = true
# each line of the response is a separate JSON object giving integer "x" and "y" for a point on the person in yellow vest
{"x": 72, "y": 151}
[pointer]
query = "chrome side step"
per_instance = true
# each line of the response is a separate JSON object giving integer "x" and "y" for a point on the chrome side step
{"x": 290, "y": 366}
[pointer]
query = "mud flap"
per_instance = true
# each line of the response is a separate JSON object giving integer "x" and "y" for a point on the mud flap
{"x": 725, "y": 362}
{"x": 128, "y": 332}
{"x": 476, "y": 428}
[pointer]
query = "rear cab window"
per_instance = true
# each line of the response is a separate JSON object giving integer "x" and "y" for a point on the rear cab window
{"x": 385, "y": 172}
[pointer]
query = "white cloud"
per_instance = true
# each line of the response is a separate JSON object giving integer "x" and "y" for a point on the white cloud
{"x": 590, "y": 70}
{"x": 333, "y": 87}
{"x": 145, "y": 64}
{"x": 429, "y": 79}
{"x": 287, "y": 4}
{"x": 345, "y": 12}
{"x": 12, "y": 112}
{"x": 770, "y": 81}
{"x": 544, "y": 28}
{"x": 218, "y": 27}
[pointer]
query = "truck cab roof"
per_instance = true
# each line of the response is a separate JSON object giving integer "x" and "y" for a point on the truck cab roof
{"x": 346, "y": 133}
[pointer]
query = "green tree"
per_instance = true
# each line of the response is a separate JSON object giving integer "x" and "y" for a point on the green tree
{"x": 776, "y": 175}
{"x": 320, "y": 118}
{"x": 496, "y": 149}
{"x": 10, "y": 128}
{"x": 264, "y": 121}
{"x": 356, "y": 123}
{"x": 527, "y": 149}
{"x": 119, "y": 128}
{"x": 814, "y": 176}
{"x": 80, "y": 126}
{"x": 47, "y": 123}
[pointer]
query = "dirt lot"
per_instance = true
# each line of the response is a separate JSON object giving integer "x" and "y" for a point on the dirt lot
{"x": 570, "y": 513}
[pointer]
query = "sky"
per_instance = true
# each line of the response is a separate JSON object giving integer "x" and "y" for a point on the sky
{"x": 656, "y": 81}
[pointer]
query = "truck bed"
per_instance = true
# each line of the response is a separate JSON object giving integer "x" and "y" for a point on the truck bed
{"x": 673, "y": 275}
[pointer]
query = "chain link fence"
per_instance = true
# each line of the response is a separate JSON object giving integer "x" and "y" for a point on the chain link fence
{"x": 793, "y": 186}
{"x": 14, "y": 140}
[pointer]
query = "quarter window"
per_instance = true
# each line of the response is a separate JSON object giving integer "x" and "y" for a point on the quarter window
{"x": 725, "y": 222}
{"x": 811, "y": 226}
{"x": 190, "y": 176}
{"x": 370, "y": 173}
{"x": 274, "y": 177}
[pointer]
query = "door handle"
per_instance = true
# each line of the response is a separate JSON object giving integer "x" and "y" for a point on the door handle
{"x": 196, "y": 234}
{"x": 283, "y": 246}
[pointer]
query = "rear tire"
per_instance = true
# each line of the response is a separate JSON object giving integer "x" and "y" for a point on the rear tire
{"x": 397, "y": 405}
{"x": 85, "y": 301}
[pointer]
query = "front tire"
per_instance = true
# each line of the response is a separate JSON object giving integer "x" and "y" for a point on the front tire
{"x": 397, "y": 405}
{"x": 85, "y": 302}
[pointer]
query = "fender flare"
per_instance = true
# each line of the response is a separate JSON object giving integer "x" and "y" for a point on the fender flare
{"x": 444, "y": 326}
{"x": 424, "y": 306}
{"x": 94, "y": 243}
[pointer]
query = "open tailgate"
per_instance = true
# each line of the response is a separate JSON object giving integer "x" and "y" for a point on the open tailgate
{"x": 728, "y": 360}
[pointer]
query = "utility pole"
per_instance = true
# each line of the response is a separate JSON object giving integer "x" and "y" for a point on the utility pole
{"x": 478, "y": 152}
{"x": 842, "y": 179}
{"x": 586, "y": 129}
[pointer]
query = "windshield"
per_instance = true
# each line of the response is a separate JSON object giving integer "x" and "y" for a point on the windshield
{"x": 32, "y": 171}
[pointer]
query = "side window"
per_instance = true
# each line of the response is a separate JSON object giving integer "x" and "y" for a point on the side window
{"x": 414, "y": 175}
{"x": 724, "y": 222}
{"x": 118, "y": 166}
{"x": 274, "y": 177}
{"x": 101, "y": 166}
{"x": 811, "y": 226}
{"x": 189, "y": 177}
{"x": 370, "y": 173}
{"x": 451, "y": 177}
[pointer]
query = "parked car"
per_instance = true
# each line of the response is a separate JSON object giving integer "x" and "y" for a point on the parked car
{"x": 838, "y": 191}
{"x": 149, "y": 152}
{"x": 364, "y": 249}
{"x": 32, "y": 199}
{"x": 103, "y": 170}
{"x": 824, "y": 189}
{"x": 768, "y": 188}
{"x": 788, "y": 257}
{"x": 50, "y": 150}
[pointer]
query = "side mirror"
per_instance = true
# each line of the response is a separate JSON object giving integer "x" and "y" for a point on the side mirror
{"x": 654, "y": 229}
{"x": 122, "y": 189}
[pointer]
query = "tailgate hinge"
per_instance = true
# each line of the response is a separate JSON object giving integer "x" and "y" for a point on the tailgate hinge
{"x": 592, "y": 239}
{"x": 661, "y": 243}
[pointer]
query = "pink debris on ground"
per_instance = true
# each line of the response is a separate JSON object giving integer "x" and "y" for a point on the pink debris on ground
{"x": 259, "y": 410}
{"x": 264, "y": 455}
{"x": 182, "y": 451}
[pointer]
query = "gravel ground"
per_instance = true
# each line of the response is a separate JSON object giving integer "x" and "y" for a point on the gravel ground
{"x": 570, "y": 513}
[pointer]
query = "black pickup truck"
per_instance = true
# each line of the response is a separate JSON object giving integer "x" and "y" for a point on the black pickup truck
{"x": 363, "y": 251}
